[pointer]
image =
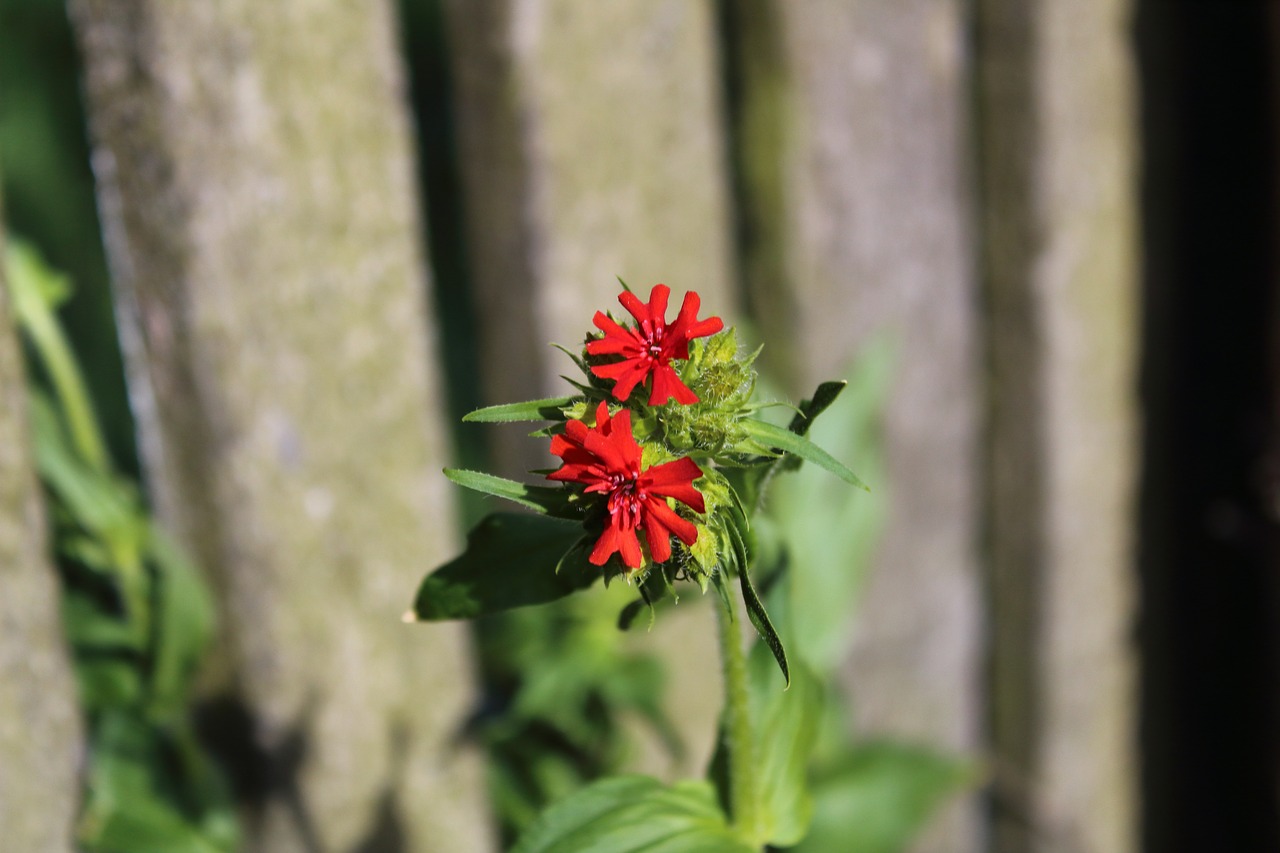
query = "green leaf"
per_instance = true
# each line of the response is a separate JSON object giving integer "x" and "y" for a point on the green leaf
{"x": 184, "y": 625}
{"x": 542, "y": 499}
{"x": 879, "y": 798}
{"x": 634, "y": 814}
{"x": 829, "y": 538}
{"x": 531, "y": 410}
{"x": 787, "y": 724}
{"x": 150, "y": 792}
{"x": 755, "y": 608}
{"x": 511, "y": 560}
{"x": 103, "y": 505}
{"x": 821, "y": 400}
{"x": 108, "y": 681}
{"x": 798, "y": 445}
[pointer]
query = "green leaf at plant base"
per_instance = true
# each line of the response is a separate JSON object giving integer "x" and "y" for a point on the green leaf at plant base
{"x": 787, "y": 723}
{"x": 634, "y": 814}
{"x": 149, "y": 791}
{"x": 511, "y": 560}
{"x": 530, "y": 410}
{"x": 879, "y": 798}
{"x": 552, "y": 501}
{"x": 798, "y": 445}
{"x": 785, "y": 727}
{"x": 183, "y": 625}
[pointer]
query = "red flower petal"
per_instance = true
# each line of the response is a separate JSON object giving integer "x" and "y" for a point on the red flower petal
{"x": 606, "y": 459}
{"x": 648, "y": 349}
{"x": 657, "y": 509}
{"x": 627, "y": 375}
{"x": 667, "y": 384}
{"x": 620, "y": 540}
{"x": 617, "y": 339}
{"x": 675, "y": 480}
{"x": 658, "y": 535}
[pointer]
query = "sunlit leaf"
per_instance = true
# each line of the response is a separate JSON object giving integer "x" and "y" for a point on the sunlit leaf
{"x": 553, "y": 501}
{"x": 511, "y": 560}
{"x": 139, "y": 787}
{"x": 798, "y": 445}
{"x": 184, "y": 625}
{"x": 530, "y": 410}
{"x": 787, "y": 726}
{"x": 880, "y": 797}
{"x": 755, "y": 608}
{"x": 634, "y": 814}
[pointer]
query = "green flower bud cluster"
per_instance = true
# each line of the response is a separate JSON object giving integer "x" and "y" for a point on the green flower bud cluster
{"x": 707, "y": 553}
{"x": 724, "y": 383}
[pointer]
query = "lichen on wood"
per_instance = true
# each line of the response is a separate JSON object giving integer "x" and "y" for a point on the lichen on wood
{"x": 40, "y": 730}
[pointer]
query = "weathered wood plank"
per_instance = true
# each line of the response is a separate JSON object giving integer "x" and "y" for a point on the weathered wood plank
{"x": 1054, "y": 93}
{"x": 255, "y": 176}
{"x": 40, "y": 733}
{"x": 590, "y": 148}
{"x": 851, "y": 135}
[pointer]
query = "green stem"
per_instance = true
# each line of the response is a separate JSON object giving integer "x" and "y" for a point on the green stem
{"x": 36, "y": 318}
{"x": 35, "y": 315}
{"x": 744, "y": 790}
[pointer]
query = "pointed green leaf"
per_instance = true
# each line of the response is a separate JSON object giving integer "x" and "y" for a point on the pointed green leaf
{"x": 184, "y": 624}
{"x": 798, "y": 445}
{"x": 755, "y": 609}
{"x": 627, "y": 616}
{"x": 149, "y": 791}
{"x": 634, "y": 814}
{"x": 541, "y": 499}
{"x": 511, "y": 560}
{"x": 722, "y": 590}
{"x": 531, "y": 410}
{"x": 577, "y": 359}
{"x": 821, "y": 400}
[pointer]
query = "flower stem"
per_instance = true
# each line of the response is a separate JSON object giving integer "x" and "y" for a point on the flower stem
{"x": 744, "y": 792}
{"x": 36, "y": 317}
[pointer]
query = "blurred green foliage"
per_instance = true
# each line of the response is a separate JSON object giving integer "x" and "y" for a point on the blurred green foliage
{"x": 814, "y": 544}
{"x": 560, "y": 682}
{"x": 48, "y": 194}
{"x": 137, "y": 615}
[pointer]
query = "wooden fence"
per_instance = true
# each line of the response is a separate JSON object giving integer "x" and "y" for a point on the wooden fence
{"x": 956, "y": 177}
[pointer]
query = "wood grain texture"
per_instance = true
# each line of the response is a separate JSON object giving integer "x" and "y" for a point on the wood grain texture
{"x": 852, "y": 150}
{"x": 41, "y": 741}
{"x": 256, "y": 180}
{"x": 1055, "y": 93}
{"x": 591, "y": 148}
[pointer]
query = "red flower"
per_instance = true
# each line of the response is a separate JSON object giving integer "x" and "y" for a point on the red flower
{"x": 649, "y": 348}
{"x": 606, "y": 460}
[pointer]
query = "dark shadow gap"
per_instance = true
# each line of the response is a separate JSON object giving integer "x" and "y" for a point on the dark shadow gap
{"x": 425, "y": 47}
{"x": 1208, "y": 532}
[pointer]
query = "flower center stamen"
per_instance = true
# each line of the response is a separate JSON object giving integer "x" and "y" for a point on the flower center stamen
{"x": 625, "y": 498}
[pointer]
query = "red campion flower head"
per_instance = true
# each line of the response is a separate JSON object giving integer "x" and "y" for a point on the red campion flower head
{"x": 649, "y": 348}
{"x": 606, "y": 460}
